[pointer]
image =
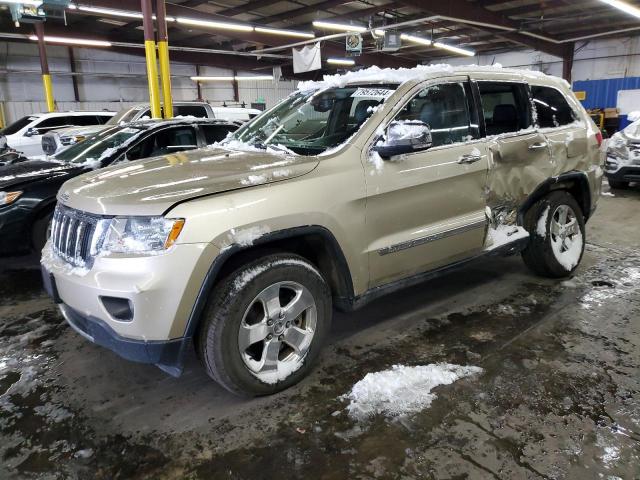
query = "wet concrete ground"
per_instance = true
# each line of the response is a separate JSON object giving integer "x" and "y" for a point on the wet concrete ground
{"x": 559, "y": 396}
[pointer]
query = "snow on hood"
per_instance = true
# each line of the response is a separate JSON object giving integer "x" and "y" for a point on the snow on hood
{"x": 32, "y": 170}
{"x": 400, "y": 75}
{"x": 153, "y": 185}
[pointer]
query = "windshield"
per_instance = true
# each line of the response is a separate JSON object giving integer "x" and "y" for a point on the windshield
{"x": 123, "y": 116}
{"x": 17, "y": 125}
{"x": 98, "y": 146}
{"x": 310, "y": 122}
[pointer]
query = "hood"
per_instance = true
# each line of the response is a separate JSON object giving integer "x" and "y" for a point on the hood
{"x": 152, "y": 186}
{"x": 21, "y": 173}
{"x": 86, "y": 131}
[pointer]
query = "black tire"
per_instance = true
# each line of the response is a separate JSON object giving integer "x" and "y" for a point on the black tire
{"x": 40, "y": 231}
{"x": 218, "y": 338}
{"x": 539, "y": 255}
{"x": 618, "y": 184}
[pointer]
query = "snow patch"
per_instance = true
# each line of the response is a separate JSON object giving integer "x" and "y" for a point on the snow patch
{"x": 504, "y": 234}
{"x": 634, "y": 116}
{"x": 54, "y": 263}
{"x": 402, "y": 390}
{"x": 541, "y": 227}
{"x": 570, "y": 257}
{"x": 246, "y": 236}
{"x": 254, "y": 180}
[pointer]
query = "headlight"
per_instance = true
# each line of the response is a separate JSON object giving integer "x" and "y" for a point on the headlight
{"x": 141, "y": 234}
{"x": 7, "y": 198}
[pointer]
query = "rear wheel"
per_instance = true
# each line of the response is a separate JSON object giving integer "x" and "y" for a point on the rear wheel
{"x": 557, "y": 235}
{"x": 265, "y": 325}
{"x": 620, "y": 184}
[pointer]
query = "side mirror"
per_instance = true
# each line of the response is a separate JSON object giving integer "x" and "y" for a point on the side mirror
{"x": 31, "y": 132}
{"x": 404, "y": 137}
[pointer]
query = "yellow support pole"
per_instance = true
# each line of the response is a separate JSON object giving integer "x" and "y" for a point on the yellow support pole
{"x": 150, "y": 55}
{"x": 44, "y": 66}
{"x": 163, "y": 57}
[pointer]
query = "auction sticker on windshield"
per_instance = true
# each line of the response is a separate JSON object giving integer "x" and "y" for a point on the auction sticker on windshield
{"x": 372, "y": 93}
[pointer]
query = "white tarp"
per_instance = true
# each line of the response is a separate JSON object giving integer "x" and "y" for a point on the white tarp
{"x": 307, "y": 58}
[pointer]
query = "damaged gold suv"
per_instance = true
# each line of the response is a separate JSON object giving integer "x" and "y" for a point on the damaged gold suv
{"x": 349, "y": 189}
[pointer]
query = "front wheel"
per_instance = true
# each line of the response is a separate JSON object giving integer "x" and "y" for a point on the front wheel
{"x": 557, "y": 235}
{"x": 265, "y": 324}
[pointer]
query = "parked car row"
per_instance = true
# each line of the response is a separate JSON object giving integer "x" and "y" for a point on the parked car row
{"x": 28, "y": 188}
{"x": 48, "y": 133}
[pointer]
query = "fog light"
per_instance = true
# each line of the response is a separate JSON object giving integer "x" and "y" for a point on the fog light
{"x": 119, "y": 308}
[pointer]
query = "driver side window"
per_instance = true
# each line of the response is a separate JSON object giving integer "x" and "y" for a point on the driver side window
{"x": 447, "y": 109}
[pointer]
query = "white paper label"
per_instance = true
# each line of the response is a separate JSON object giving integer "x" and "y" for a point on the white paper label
{"x": 380, "y": 93}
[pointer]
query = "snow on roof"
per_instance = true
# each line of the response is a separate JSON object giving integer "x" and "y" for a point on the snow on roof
{"x": 400, "y": 75}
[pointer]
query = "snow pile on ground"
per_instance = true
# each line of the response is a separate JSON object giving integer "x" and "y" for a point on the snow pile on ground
{"x": 503, "y": 234}
{"x": 402, "y": 390}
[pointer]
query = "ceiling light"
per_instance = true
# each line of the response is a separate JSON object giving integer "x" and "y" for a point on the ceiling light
{"x": 411, "y": 38}
{"x": 340, "y": 61}
{"x": 73, "y": 41}
{"x": 451, "y": 48}
{"x": 256, "y": 77}
{"x": 211, "y": 24}
{"x": 110, "y": 11}
{"x": 31, "y": 3}
{"x": 625, "y": 7}
{"x": 343, "y": 27}
{"x": 291, "y": 33}
{"x": 230, "y": 79}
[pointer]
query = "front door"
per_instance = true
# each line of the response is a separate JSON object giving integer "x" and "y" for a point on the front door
{"x": 426, "y": 209}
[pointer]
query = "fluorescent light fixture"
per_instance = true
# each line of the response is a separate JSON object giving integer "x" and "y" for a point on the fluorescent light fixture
{"x": 256, "y": 78}
{"x": 230, "y": 78}
{"x": 343, "y": 27}
{"x": 73, "y": 41}
{"x": 290, "y": 33}
{"x": 31, "y": 3}
{"x": 451, "y": 48}
{"x": 110, "y": 11}
{"x": 211, "y": 24}
{"x": 414, "y": 39}
{"x": 340, "y": 61}
{"x": 625, "y": 7}
{"x": 114, "y": 13}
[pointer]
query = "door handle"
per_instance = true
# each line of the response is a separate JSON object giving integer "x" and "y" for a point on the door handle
{"x": 538, "y": 146}
{"x": 468, "y": 158}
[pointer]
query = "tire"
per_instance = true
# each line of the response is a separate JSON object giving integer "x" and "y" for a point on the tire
{"x": 40, "y": 231}
{"x": 618, "y": 184}
{"x": 237, "y": 315}
{"x": 546, "y": 254}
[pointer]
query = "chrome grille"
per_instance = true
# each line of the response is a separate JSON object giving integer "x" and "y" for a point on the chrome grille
{"x": 71, "y": 234}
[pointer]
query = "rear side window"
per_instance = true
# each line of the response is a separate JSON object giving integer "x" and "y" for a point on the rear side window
{"x": 216, "y": 133}
{"x": 447, "y": 109}
{"x": 551, "y": 107}
{"x": 505, "y": 106}
{"x": 52, "y": 123}
{"x": 198, "y": 111}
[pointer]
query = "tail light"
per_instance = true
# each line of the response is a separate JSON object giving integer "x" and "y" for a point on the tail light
{"x": 599, "y": 138}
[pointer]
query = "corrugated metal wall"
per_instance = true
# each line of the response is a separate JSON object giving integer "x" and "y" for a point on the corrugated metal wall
{"x": 604, "y": 93}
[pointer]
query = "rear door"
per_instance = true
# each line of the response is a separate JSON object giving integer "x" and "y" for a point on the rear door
{"x": 426, "y": 209}
{"x": 558, "y": 121}
{"x": 519, "y": 155}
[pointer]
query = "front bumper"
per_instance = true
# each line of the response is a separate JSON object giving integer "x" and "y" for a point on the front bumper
{"x": 623, "y": 171}
{"x": 161, "y": 290}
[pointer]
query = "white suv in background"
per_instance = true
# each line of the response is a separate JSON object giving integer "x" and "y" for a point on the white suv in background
{"x": 25, "y": 134}
{"x": 57, "y": 140}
